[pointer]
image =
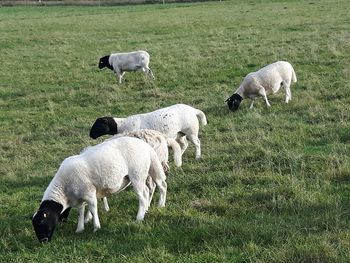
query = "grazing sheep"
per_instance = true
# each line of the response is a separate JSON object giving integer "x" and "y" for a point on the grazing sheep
{"x": 122, "y": 62}
{"x": 177, "y": 121}
{"x": 160, "y": 144}
{"x": 95, "y": 173}
{"x": 263, "y": 82}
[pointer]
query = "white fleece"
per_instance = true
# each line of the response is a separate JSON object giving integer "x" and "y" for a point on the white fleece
{"x": 176, "y": 121}
{"x": 268, "y": 80}
{"x": 131, "y": 61}
{"x": 104, "y": 169}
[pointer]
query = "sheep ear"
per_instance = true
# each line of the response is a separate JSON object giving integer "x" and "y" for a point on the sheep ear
{"x": 31, "y": 217}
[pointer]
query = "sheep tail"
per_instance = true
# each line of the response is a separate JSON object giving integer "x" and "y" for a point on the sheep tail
{"x": 294, "y": 77}
{"x": 201, "y": 116}
{"x": 177, "y": 151}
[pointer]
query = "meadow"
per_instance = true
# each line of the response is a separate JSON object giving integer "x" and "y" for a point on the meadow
{"x": 273, "y": 184}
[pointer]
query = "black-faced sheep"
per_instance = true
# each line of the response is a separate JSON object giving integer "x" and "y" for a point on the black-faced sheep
{"x": 263, "y": 82}
{"x": 95, "y": 173}
{"x": 178, "y": 121}
{"x": 123, "y": 62}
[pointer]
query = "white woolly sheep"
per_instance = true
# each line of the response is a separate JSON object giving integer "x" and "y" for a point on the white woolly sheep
{"x": 160, "y": 144}
{"x": 263, "y": 82}
{"x": 178, "y": 121}
{"x": 95, "y": 173}
{"x": 123, "y": 62}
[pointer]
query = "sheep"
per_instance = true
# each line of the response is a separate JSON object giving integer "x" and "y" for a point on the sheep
{"x": 98, "y": 171}
{"x": 178, "y": 121}
{"x": 160, "y": 144}
{"x": 263, "y": 82}
{"x": 122, "y": 62}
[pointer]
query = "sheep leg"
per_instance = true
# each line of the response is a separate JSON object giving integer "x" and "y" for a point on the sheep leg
{"x": 151, "y": 73}
{"x": 88, "y": 217}
{"x": 93, "y": 209}
{"x": 267, "y": 102}
{"x": 288, "y": 92}
{"x": 120, "y": 75}
{"x": 146, "y": 195}
{"x": 152, "y": 187}
{"x": 197, "y": 143}
{"x": 162, "y": 185}
{"x": 182, "y": 141}
{"x": 143, "y": 200}
{"x": 157, "y": 174}
{"x": 262, "y": 92}
{"x": 145, "y": 71}
{"x": 252, "y": 104}
{"x": 166, "y": 167}
{"x": 80, "y": 227}
{"x": 105, "y": 203}
{"x": 148, "y": 72}
{"x": 64, "y": 216}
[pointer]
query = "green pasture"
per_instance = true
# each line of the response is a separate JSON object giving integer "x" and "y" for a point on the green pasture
{"x": 273, "y": 184}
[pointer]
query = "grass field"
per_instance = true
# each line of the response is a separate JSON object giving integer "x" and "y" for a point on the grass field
{"x": 273, "y": 184}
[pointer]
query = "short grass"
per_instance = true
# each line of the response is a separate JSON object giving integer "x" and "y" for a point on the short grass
{"x": 273, "y": 184}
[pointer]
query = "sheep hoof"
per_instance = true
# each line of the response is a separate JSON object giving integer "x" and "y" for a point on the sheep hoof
{"x": 79, "y": 230}
{"x": 139, "y": 219}
{"x": 96, "y": 228}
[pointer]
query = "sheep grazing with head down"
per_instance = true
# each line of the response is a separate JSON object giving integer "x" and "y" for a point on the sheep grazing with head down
{"x": 178, "y": 121}
{"x": 160, "y": 144}
{"x": 123, "y": 62}
{"x": 263, "y": 82}
{"x": 95, "y": 173}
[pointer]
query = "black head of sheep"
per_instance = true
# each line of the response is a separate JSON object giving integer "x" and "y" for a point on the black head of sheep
{"x": 234, "y": 101}
{"x": 104, "y": 62}
{"x": 46, "y": 219}
{"x": 102, "y": 126}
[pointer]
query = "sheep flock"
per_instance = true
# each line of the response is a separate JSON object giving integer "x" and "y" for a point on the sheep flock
{"x": 136, "y": 149}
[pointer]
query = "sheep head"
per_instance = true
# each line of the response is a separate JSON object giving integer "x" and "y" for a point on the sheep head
{"x": 104, "y": 62}
{"x": 102, "y": 126}
{"x": 46, "y": 219}
{"x": 234, "y": 101}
